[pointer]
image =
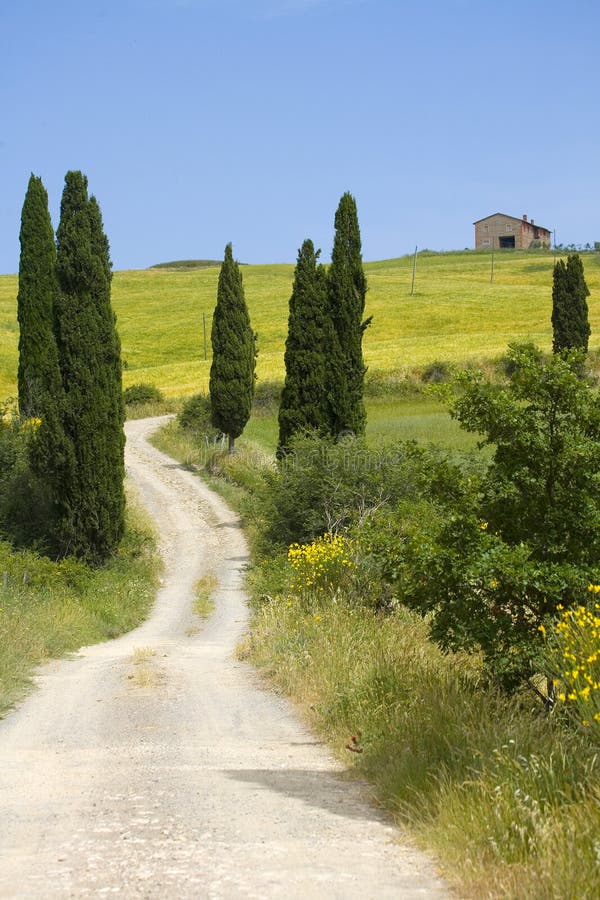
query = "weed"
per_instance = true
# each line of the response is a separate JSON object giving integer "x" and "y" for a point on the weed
{"x": 204, "y": 590}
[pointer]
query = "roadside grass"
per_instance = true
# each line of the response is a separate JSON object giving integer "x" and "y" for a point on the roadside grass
{"x": 174, "y": 441}
{"x": 455, "y": 314}
{"x": 505, "y": 798}
{"x": 151, "y": 409}
{"x": 48, "y": 609}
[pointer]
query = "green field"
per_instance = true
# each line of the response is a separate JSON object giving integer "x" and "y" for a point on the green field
{"x": 455, "y": 314}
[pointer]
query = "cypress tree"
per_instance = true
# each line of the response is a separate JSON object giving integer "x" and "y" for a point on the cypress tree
{"x": 570, "y": 321}
{"x": 40, "y": 387}
{"x": 304, "y": 397}
{"x": 89, "y": 359}
{"x": 234, "y": 354}
{"x": 38, "y": 375}
{"x": 114, "y": 407}
{"x": 347, "y": 287}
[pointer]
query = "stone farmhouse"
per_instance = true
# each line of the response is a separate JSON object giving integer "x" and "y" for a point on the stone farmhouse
{"x": 501, "y": 232}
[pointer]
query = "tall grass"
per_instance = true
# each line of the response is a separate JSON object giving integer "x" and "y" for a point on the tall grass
{"x": 50, "y": 608}
{"x": 506, "y": 799}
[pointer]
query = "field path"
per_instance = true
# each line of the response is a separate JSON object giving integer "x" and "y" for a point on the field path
{"x": 154, "y": 765}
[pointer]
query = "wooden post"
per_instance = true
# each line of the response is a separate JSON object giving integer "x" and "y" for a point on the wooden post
{"x": 412, "y": 287}
{"x": 204, "y": 329}
{"x": 492, "y": 269}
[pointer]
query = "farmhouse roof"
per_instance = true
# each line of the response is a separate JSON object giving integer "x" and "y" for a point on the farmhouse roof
{"x": 515, "y": 219}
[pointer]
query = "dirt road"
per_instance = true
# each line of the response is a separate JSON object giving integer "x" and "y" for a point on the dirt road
{"x": 154, "y": 766}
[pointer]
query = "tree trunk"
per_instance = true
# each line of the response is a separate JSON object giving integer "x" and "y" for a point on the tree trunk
{"x": 231, "y": 443}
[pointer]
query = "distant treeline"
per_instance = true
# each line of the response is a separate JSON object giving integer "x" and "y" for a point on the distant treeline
{"x": 188, "y": 264}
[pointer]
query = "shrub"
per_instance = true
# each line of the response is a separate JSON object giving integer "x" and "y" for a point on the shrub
{"x": 195, "y": 417}
{"x": 137, "y": 394}
{"x": 323, "y": 567}
{"x": 543, "y": 486}
{"x": 25, "y": 501}
{"x": 324, "y": 486}
{"x": 436, "y": 372}
{"x": 509, "y": 364}
{"x": 267, "y": 395}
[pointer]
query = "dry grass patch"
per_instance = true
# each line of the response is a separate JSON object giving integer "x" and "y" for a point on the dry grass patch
{"x": 146, "y": 673}
{"x": 205, "y": 587}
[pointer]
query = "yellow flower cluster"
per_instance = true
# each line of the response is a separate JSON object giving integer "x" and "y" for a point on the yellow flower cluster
{"x": 577, "y": 638}
{"x": 322, "y": 566}
{"x": 31, "y": 424}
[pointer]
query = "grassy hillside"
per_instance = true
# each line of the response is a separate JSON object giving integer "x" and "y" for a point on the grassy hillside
{"x": 455, "y": 314}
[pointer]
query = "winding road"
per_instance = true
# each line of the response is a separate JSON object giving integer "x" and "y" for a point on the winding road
{"x": 155, "y": 765}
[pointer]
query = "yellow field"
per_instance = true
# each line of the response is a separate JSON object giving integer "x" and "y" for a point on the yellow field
{"x": 455, "y": 314}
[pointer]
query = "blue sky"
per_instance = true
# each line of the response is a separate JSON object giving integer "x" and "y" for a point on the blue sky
{"x": 200, "y": 122}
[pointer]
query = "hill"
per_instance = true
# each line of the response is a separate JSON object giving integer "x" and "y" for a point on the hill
{"x": 455, "y": 314}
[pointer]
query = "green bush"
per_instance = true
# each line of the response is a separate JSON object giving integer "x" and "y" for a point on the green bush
{"x": 10, "y": 445}
{"x": 478, "y": 592}
{"x": 437, "y": 372}
{"x": 267, "y": 395}
{"x": 543, "y": 485}
{"x": 136, "y": 394}
{"x": 324, "y": 486}
{"x": 195, "y": 417}
{"x": 25, "y": 500}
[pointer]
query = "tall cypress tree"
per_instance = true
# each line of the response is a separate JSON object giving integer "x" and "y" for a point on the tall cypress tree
{"x": 347, "y": 287}
{"x": 38, "y": 375}
{"x": 304, "y": 397}
{"x": 113, "y": 383}
{"x": 40, "y": 387}
{"x": 570, "y": 320}
{"x": 234, "y": 354}
{"x": 88, "y": 355}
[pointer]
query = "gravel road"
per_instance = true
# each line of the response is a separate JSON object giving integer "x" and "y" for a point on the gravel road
{"x": 155, "y": 766}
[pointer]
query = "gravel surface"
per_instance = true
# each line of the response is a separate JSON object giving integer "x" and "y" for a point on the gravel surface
{"x": 155, "y": 766}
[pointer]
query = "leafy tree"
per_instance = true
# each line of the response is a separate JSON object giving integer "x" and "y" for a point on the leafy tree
{"x": 234, "y": 354}
{"x": 492, "y": 557}
{"x": 543, "y": 486}
{"x": 347, "y": 288}
{"x": 304, "y": 397}
{"x": 38, "y": 492}
{"x": 89, "y": 359}
{"x": 570, "y": 322}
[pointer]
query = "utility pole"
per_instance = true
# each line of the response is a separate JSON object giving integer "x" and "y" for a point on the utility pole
{"x": 492, "y": 269}
{"x": 412, "y": 287}
{"x": 204, "y": 329}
